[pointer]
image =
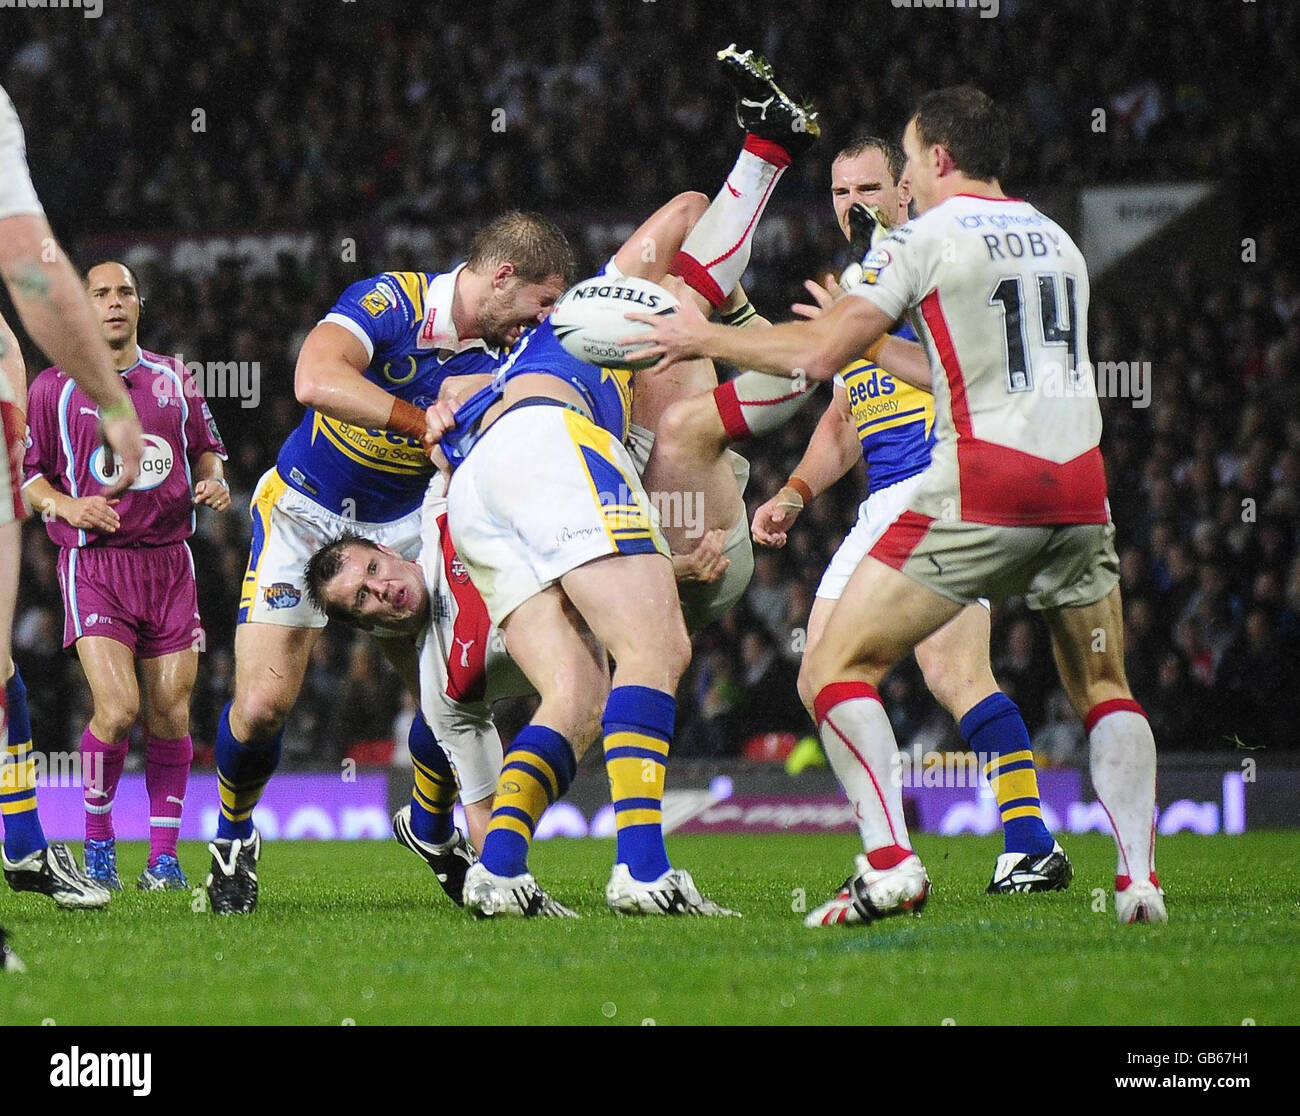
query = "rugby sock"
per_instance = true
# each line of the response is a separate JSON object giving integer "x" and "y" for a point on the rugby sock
{"x": 716, "y": 252}
{"x": 860, "y": 745}
{"x": 243, "y": 771}
{"x": 755, "y": 403}
{"x": 166, "y": 775}
{"x": 995, "y": 728}
{"x": 536, "y": 770}
{"x": 433, "y": 797}
{"x": 638, "y": 725}
{"x": 101, "y": 768}
{"x": 22, "y": 824}
{"x": 1123, "y": 765}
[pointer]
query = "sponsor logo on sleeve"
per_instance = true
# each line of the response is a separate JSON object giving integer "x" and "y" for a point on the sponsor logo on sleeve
{"x": 874, "y": 263}
{"x": 377, "y": 300}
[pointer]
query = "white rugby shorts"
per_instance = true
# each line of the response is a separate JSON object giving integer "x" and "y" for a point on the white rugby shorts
{"x": 544, "y": 491}
{"x": 288, "y": 528}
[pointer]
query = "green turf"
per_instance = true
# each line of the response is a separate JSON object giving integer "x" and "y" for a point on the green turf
{"x": 360, "y": 931}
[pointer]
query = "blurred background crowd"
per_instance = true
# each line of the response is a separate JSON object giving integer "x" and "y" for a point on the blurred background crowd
{"x": 400, "y": 129}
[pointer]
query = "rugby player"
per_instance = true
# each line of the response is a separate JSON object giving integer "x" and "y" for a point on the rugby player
{"x": 463, "y": 664}
{"x": 365, "y": 372}
{"x": 126, "y": 571}
{"x": 1014, "y": 500}
{"x": 888, "y": 424}
{"x": 573, "y": 581}
{"x": 53, "y": 307}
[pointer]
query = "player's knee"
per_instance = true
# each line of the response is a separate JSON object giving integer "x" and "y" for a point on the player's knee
{"x": 689, "y": 426}
{"x": 114, "y": 717}
{"x": 691, "y": 204}
{"x": 170, "y": 721}
{"x": 261, "y": 713}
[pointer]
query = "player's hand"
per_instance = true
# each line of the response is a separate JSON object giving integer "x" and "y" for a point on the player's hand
{"x": 823, "y": 298}
{"x": 438, "y": 418}
{"x": 121, "y": 433}
{"x": 672, "y": 337}
{"x": 93, "y": 513}
{"x": 775, "y": 518}
{"x": 212, "y": 493}
{"x": 705, "y": 563}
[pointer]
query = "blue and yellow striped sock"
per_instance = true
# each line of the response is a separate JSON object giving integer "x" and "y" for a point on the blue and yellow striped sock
{"x": 638, "y": 725}
{"x": 433, "y": 797}
{"x": 995, "y": 728}
{"x": 537, "y": 769}
{"x": 243, "y": 770}
{"x": 22, "y": 824}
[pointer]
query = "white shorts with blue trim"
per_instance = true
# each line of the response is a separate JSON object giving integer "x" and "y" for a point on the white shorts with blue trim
{"x": 544, "y": 491}
{"x": 288, "y": 528}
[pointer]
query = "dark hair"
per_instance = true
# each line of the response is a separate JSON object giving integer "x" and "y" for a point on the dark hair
{"x": 534, "y": 244}
{"x": 135, "y": 282}
{"x": 861, "y": 143}
{"x": 324, "y": 566}
{"x": 970, "y": 125}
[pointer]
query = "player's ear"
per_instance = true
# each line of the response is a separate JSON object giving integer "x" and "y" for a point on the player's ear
{"x": 504, "y": 272}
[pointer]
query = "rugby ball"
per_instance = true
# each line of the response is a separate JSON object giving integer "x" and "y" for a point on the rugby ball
{"x": 591, "y": 317}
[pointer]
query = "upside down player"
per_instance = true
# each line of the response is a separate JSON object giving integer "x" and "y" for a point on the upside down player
{"x": 356, "y": 462}
{"x": 126, "y": 572}
{"x": 887, "y": 423}
{"x": 1014, "y": 500}
{"x": 598, "y": 588}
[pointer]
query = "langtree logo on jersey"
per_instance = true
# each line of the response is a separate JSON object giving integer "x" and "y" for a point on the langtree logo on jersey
{"x": 155, "y": 464}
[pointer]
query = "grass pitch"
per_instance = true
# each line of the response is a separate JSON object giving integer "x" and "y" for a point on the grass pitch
{"x": 360, "y": 931}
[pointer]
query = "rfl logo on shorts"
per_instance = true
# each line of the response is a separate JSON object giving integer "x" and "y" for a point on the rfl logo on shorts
{"x": 281, "y": 595}
{"x": 155, "y": 464}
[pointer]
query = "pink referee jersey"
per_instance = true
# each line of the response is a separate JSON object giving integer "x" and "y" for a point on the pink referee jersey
{"x": 63, "y": 445}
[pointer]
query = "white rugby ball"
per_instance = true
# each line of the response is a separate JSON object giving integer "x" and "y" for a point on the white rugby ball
{"x": 591, "y": 317}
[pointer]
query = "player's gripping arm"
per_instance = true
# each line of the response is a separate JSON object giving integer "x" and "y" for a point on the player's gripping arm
{"x": 832, "y": 451}
{"x": 330, "y": 377}
{"x": 852, "y": 328}
{"x": 54, "y": 309}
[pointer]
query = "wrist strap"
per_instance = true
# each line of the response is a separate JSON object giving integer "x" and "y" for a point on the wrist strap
{"x": 798, "y": 484}
{"x": 742, "y": 315}
{"x": 406, "y": 418}
{"x": 873, "y": 350}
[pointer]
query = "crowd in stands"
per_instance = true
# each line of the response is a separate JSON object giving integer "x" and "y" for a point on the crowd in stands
{"x": 349, "y": 120}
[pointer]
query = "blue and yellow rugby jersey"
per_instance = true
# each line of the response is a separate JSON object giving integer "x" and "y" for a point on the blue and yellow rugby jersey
{"x": 404, "y": 321}
{"x": 606, "y": 392}
{"x": 895, "y": 420}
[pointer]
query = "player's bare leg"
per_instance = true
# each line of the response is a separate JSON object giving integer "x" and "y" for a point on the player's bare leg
{"x": 631, "y": 605}
{"x": 270, "y": 665}
{"x": 167, "y": 682}
{"x": 649, "y": 251}
{"x": 955, "y": 663}
{"x": 881, "y": 616}
{"x": 570, "y": 671}
{"x": 1088, "y": 643}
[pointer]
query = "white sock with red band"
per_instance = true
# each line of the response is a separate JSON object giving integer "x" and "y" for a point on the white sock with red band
{"x": 756, "y": 403}
{"x": 863, "y": 753}
{"x": 1123, "y": 754}
{"x": 716, "y": 252}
